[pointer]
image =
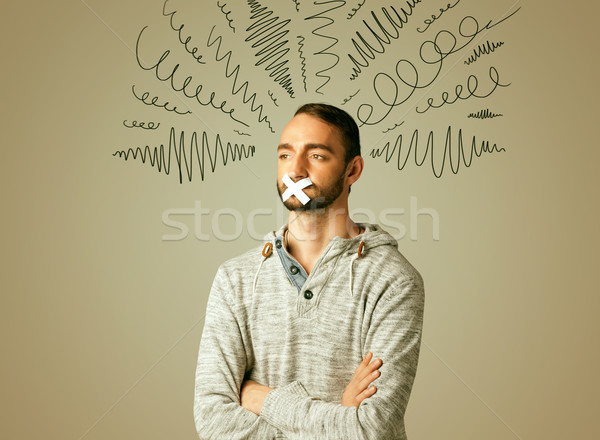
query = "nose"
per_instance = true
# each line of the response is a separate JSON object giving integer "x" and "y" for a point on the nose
{"x": 297, "y": 167}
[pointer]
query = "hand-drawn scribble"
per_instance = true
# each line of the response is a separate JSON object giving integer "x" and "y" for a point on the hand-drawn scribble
{"x": 268, "y": 33}
{"x": 136, "y": 124}
{"x": 433, "y": 18}
{"x": 484, "y": 114}
{"x": 179, "y": 29}
{"x": 241, "y": 134}
{"x": 322, "y": 16}
{"x": 302, "y": 59}
{"x": 365, "y": 50}
{"x": 431, "y": 53}
{"x": 184, "y": 86}
{"x": 472, "y": 85}
{"x": 297, "y": 3}
{"x": 394, "y": 127}
{"x": 235, "y": 72}
{"x": 353, "y": 12}
{"x": 458, "y": 153}
{"x": 226, "y": 14}
{"x": 350, "y": 97}
{"x": 162, "y": 160}
{"x": 483, "y": 49}
{"x": 154, "y": 100}
{"x": 272, "y": 98}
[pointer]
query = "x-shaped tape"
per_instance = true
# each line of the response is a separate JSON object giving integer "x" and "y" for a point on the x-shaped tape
{"x": 295, "y": 188}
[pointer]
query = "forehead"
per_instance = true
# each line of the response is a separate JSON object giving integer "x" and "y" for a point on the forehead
{"x": 305, "y": 129}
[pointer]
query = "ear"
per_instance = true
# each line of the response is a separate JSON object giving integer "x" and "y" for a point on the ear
{"x": 354, "y": 169}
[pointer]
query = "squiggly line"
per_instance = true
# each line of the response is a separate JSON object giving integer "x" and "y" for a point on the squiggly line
{"x": 297, "y": 3}
{"x": 365, "y": 50}
{"x": 162, "y": 160}
{"x": 472, "y": 85}
{"x": 355, "y": 10}
{"x": 330, "y": 21}
{"x": 241, "y": 134}
{"x": 350, "y": 97}
{"x": 395, "y": 126}
{"x": 184, "y": 87}
{"x": 459, "y": 152}
{"x": 483, "y": 49}
{"x": 235, "y": 73}
{"x": 178, "y": 30}
{"x": 272, "y": 98}
{"x": 153, "y": 102}
{"x": 268, "y": 33}
{"x": 302, "y": 59}
{"x": 433, "y": 18}
{"x": 484, "y": 114}
{"x": 135, "y": 124}
{"x": 229, "y": 20}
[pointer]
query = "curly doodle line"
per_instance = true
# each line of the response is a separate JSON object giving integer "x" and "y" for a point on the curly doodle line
{"x": 365, "y": 50}
{"x": 297, "y": 3}
{"x": 178, "y": 30}
{"x": 229, "y": 20}
{"x": 272, "y": 98}
{"x": 353, "y": 12}
{"x": 429, "y": 150}
{"x": 433, "y": 18}
{"x": 268, "y": 33}
{"x": 350, "y": 97}
{"x": 302, "y": 60}
{"x": 153, "y": 102}
{"x": 156, "y": 155}
{"x": 483, "y": 49}
{"x": 395, "y": 126}
{"x": 235, "y": 72}
{"x": 135, "y": 124}
{"x": 241, "y": 134}
{"x": 330, "y": 21}
{"x": 484, "y": 114}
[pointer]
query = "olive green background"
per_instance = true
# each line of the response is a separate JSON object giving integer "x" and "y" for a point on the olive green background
{"x": 101, "y": 316}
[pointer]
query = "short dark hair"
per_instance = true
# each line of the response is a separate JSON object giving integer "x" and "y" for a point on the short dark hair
{"x": 340, "y": 119}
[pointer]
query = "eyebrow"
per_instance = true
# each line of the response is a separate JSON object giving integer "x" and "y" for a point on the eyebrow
{"x": 308, "y": 147}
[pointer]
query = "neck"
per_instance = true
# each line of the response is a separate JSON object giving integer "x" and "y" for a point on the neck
{"x": 309, "y": 232}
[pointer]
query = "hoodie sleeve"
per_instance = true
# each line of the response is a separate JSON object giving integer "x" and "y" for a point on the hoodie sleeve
{"x": 222, "y": 361}
{"x": 394, "y": 335}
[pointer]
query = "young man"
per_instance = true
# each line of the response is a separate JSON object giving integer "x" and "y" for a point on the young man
{"x": 288, "y": 322}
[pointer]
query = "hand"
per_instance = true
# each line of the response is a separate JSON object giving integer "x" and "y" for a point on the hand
{"x": 252, "y": 395}
{"x": 365, "y": 373}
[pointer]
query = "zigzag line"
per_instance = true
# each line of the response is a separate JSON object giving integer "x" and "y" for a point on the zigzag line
{"x": 484, "y": 114}
{"x": 156, "y": 155}
{"x": 235, "y": 72}
{"x": 483, "y": 49}
{"x": 314, "y": 32}
{"x": 302, "y": 59}
{"x": 269, "y": 33}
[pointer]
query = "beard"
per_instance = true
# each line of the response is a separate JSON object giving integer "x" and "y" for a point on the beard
{"x": 320, "y": 198}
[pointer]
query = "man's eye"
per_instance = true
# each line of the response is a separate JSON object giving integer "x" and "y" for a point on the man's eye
{"x": 283, "y": 156}
{"x": 317, "y": 156}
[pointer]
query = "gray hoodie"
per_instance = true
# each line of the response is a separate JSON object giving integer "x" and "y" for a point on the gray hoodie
{"x": 307, "y": 342}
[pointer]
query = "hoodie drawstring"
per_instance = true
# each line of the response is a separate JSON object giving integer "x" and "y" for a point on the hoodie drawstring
{"x": 356, "y": 256}
{"x": 266, "y": 253}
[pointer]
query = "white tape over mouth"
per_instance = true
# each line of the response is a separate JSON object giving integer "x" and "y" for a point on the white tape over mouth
{"x": 295, "y": 188}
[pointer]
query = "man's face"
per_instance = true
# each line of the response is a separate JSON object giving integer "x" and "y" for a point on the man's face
{"x": 310, "y": 147}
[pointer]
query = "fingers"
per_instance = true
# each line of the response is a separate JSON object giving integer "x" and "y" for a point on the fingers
{"x": 365, "y": 394}
{"x": 365, "y": 368}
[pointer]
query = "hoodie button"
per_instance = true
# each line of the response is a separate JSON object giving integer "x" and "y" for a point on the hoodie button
{"x": 294, "y": 270}
{"x": 278, "y": 244}
{"x": 308, "y": 294}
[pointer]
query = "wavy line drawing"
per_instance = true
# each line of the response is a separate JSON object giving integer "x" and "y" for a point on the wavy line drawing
{"x": 226, "y": 14}
{"x": 302, "y": 60}
{"x": 350, "y": 97}
{"x": 392, "y": 128}
{"x": 136, "y": 124}
{"x": 483, "y": 49}
{"x": 272, "y": 98}
{"x": 459, "y": 153}
{"x": 355, "y": 10}
{"x": 178, "y": 30}
{"x": 297, "y": 3}
{"x": 484, "y": 114}
{"x": 161, "y": 160}
{"x": 241, "y": 134}
{"x": 145, "y": 96}
{"x": 365, "y": 50}
{"x": 321, "y": 15}
{"x": 269, "y": 33}
{"x": 234, "y": 73}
